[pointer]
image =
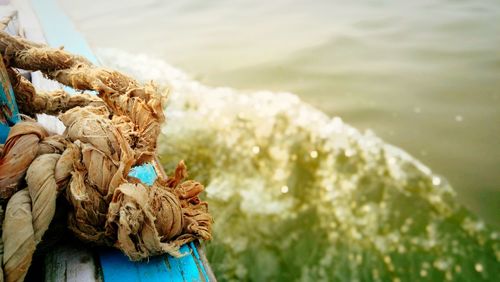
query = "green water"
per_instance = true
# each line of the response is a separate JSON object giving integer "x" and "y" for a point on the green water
{"x": 299, "y": 195}
{"x": 424, "y": 75}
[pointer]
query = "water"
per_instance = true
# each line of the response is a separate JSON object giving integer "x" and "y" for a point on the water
{"x": 296, "y": 193}
{"x": 423, "y": 75}
{"x": 298, "y": 196}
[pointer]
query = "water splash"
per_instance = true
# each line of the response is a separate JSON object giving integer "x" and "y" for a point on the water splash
{"x": 300, "y": 196}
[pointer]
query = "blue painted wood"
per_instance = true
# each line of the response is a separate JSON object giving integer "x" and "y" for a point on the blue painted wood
{"x": 59, "y": 31}
{"x": 9, "y": 114}
{"x": 117, "y": 267}
{"x": 199, "y": 262}
{"x": 146, "y": 173}
{"x": 4, "y": 132}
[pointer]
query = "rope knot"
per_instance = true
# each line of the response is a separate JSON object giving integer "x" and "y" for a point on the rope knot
{"x": 89, "y": 164}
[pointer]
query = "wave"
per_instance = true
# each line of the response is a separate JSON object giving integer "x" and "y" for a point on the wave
{"x": 297, "y": 195}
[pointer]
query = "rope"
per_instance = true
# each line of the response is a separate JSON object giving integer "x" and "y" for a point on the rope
{"x": 89, "y": 164}
{"x": 19, "y": 151}
{"x": 50, "y": 103}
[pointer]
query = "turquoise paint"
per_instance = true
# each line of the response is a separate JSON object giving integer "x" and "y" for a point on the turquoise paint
{"x": 9, "y": 114}
{"x": 4, "y": 132}
{"x": 116, "y": 267}
{"x": 198, "y": 260}
{"x": 146, "y": 173}
{"x": 184, "y": 268}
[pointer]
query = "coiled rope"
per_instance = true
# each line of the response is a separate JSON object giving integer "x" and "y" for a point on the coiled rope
{"x": 89, "y": 164}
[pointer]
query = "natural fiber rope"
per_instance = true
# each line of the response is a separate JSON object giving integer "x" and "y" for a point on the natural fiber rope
{"x": 18, "y": 153}
{"x": 104, "y": 138}
{"x": 51, "y": 103}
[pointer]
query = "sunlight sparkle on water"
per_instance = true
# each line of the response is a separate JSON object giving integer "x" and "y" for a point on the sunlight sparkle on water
{"x": 358, "y": 185}
{"x": 284, "y": 189}
{"x": 423, "y": 273}
{"x": 255, "y": 149}
{"x": 314, "y": 154}
{"x": 436, "y": 180}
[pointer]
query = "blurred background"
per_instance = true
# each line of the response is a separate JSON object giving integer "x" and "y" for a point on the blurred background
{"x": 296, "y": 193}
{"x": 423, "y": 75}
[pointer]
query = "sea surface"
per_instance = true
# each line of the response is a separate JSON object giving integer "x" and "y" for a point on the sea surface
{"x": 423, "y": 75}
{"x": 337, "y": 140}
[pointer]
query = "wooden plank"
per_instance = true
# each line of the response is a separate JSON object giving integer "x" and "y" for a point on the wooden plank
{"x": 71, "y": 262}
{"x": 116, "y": 267}
{"x": 203, "y": 262}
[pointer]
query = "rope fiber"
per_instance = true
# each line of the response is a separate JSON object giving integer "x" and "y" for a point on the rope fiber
{"x": 106, "y": 135}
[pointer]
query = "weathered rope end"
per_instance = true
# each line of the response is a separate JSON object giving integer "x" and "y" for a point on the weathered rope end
{"x": 105, "y": 136}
